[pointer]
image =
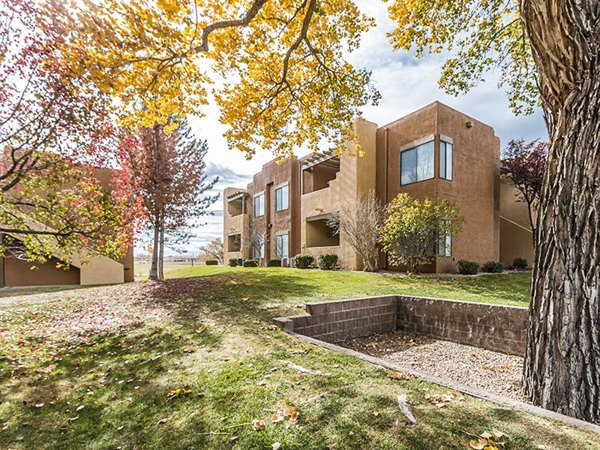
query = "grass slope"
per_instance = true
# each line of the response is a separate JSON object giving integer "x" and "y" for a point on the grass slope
{"x": 192, "y": 362}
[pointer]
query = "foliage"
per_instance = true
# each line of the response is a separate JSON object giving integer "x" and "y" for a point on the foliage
{"x": 359, "y": 222}
{"x": 214, "y": 249}
{"x": 233, "y": 262}
{"x": 523, "y": 165}
{"x": 212, "y": 262}
{"x": 410, "y": 234}
{"x": 467, "y": 267}
{"x": 274, "y": 263}
{"x": 492, "y": 267}
{"x": 304, "y": 261}
{"x": 520, "y": 263}
{"x": 327, "y": 261}
{"x": 250, "y": 263}
{"x": 478, "y": 36}
{"x": 55, "y": 128}
{"x": 292, "y": 82}
{"x": 167, "y": 171}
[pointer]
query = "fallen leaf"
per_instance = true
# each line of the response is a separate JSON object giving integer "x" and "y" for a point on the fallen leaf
{"x": 276, "y": 446}
{"x": 258, "y": 425}
{"x": 79, "y": 408}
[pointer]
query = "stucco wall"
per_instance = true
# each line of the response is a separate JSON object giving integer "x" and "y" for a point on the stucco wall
{"x": 20, "y": 273}
{"x": 516, "y": 238}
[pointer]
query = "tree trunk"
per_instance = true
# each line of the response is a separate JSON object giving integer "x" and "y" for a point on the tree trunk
{"x": 562, "y": 362}
{"x": 161, "y": 257}
{"x": 155, "y": 250}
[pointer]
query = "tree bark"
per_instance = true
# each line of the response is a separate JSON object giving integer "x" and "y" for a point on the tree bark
{"x": 562, "y": 362}
{"x": 161, "y": 255}
{"x": 154, "y": 266}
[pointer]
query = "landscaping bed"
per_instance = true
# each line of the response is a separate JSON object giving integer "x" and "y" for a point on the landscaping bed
{"x": 493, "y": 372}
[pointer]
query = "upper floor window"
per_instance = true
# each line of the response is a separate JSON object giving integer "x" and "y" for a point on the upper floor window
{"x": 416, "y": 164}
{"x": 282, "y": 195}
{"x": 259, "y": 205}
{"x": 446, "y": 160}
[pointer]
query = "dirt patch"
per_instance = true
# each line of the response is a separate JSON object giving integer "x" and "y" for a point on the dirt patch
{"x": 484, "y": 369}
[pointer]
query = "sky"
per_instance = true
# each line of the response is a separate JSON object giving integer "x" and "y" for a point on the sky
{"x": 405, "y": 83}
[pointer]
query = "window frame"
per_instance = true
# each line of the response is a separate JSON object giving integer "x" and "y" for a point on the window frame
{"x": 445, "y": 249}
{"x": 287, "y": 202}
{"x": 445, "y": 141}
{"x": 414, "y": 147}
{"x": 262, "y": 204}
{"x": 287, "y": 250}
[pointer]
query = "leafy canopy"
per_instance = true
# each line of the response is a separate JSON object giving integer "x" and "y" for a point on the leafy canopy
{"x": 412, "y": 229}
{"x": 288, "y": 83}
{"x": 479, "y": 35}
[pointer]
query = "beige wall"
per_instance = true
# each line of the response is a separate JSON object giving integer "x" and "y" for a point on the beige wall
{"x": 516, "y": 238}
{"x": 357, "y": 175}
{"x": 474, "y": 187}
{"x": 21, "y": 273}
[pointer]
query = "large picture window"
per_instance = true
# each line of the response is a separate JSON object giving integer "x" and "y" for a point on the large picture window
{"x": 282, "y": 246}
{"x": 446, "y": 160}
{"x": 282, "y": 198}
{"x": 416, "y": 164}
{"x": 259, "y": 205}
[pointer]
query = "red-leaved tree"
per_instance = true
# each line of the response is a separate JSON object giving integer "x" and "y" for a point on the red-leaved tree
{"x": 167, "y": 171}
{"x": 523, "y": 165}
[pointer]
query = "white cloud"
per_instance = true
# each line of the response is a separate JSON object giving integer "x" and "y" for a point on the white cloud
{"x": 405, "y": 84}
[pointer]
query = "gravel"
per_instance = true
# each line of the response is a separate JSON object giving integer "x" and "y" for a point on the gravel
{"x": 494, "y": 372}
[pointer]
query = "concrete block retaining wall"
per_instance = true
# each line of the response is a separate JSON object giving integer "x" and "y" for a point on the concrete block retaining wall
{"x": 494, "y": 327}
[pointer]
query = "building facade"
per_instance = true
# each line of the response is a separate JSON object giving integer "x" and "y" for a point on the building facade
{"x": 435, "y": 152}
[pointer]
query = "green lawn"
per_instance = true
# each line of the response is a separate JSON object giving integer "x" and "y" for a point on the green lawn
{"x": 192, "y": 362}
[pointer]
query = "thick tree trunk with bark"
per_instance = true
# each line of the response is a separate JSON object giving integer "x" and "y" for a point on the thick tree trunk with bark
{"x": 562, "y": 363}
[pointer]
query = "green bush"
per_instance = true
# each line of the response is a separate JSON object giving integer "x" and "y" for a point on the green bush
{"x": 233, "y": 262}
{"x": 328, "y": 261}
{"x": 274, "y": 263}
{"x": 492, "y": 267}
{"x": 304, "y": 261}
{"x": 467, "y": 267}
{"x": 520, "y": 263}
{"x": 250, "y": 263}
{"x": 212, "y": 262}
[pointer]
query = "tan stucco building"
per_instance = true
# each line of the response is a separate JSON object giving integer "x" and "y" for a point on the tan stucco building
{"x": 82, "y": 270}
{"x": 435, "y": 152}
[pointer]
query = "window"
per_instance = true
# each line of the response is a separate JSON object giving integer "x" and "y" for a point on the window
{"x": 416, "y": 164}
{"x": 282, "y": 246}
{"x": 446, "y": 160}
{"x": 445, "y": 242}
{"x": 259, "y": 250}
{"x": 259, "y": 205}
{"x": 282, "y": 198}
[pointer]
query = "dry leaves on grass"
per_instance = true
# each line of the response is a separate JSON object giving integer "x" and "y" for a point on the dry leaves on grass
{"x": 395, "y": 375}
{"x": 488, "y": 441}
{"x": 176, "y": 393}
{"x": 441, "y": 400}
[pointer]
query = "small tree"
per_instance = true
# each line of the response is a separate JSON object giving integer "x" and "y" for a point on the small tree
{"x": 358, "y": 222}
{"x": 167, "y": 172}
{"x": 414, "y": 229}
{"x": 523, "y": 165}
{"x": 213, "y": 250}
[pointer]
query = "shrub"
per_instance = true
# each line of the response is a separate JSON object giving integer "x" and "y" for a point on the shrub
{"x": 274, "y": 263}
{"x": 212, "y": 262}
{"x": 233, "y": 262}
{"x": 520, "y": 263}
{"x": 492, "y": 267}
{"x": 328, "y": 261}
{"x": 304, "y": 261}
{"x": 250, "y": 263}
{"x": 467, "y": 267}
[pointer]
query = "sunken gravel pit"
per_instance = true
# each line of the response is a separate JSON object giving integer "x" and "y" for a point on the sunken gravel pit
{"x": 491, "y": 371}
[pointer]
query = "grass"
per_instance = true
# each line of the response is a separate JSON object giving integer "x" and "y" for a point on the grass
{"x": 194, "y": 363}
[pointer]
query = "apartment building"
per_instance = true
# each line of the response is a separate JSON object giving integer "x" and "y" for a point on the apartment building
{"x": 435, "y": 152}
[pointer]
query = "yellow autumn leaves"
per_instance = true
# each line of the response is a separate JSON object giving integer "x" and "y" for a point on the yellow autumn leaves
{"x": 280, "y": 82}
